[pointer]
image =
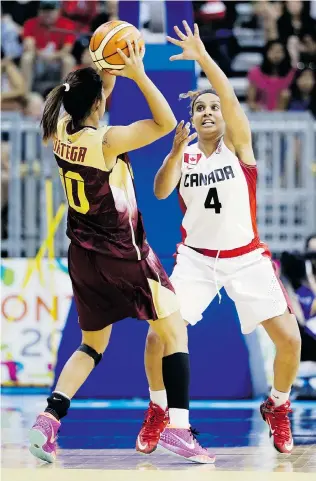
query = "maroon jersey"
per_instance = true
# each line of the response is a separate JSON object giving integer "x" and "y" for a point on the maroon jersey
{"x": 103, "y": 214}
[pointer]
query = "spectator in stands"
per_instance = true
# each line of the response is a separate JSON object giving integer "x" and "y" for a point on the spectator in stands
{"x": 48, "y": 40}
{"x": 81, "y": 12}
{"x": 106, "y": 14}
{"x": 295, "y": 20}
{"x": 14, "y": 96}
{"x": 81, "y": 52}
{"x": 308, "y": 50}
{"x": 301, "y": 95}
{"x": 267, "y": 82}
{"x": 10, "y": 41}
{"x": 299, "y": 273}
{"x": 216, "y": 21}
{"x": 269, "y": 13}
{"x": 19, "y": 11}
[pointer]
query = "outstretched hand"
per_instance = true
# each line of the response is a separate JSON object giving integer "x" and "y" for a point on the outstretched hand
{"x": 191, "y": 43}
{"x": 182, "y": 139}
{"x": 134, "y": 67}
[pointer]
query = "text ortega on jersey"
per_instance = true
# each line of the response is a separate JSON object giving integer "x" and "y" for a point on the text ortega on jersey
{"x": 200, "y": 179}
{"x": 69, "y": 152}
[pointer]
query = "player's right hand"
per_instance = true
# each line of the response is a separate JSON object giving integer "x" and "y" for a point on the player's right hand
{"x": 182, "y": 139}
{"x": 134, "y": 67}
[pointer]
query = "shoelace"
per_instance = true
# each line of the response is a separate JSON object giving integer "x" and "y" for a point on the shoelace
{"x": 152, "y": 424}
{"x": 194, "y": 434}
{"x": 282, "y": 422}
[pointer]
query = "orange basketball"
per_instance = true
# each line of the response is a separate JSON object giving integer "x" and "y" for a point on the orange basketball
{"x": 107, "y": 39}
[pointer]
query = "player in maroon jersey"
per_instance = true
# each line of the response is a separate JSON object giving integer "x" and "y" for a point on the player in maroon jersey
{"x": 113, "y": 270}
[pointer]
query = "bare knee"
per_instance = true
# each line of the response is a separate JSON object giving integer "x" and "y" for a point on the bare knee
{"x": 173, "y": 333}
{"x": 154, "y": 344}
{"x": 290, "y": 344}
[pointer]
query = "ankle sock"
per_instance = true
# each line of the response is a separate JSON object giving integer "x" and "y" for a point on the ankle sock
{"x": 159, "y": 397}
{"x": 279, "y": 397}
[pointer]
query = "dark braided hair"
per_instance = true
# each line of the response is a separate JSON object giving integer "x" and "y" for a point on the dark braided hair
{"x": 194, "y": 95}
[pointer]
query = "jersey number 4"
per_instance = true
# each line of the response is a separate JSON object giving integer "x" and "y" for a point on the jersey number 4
{"x": 212, "y": 201}
{"x": 73, "y": 181}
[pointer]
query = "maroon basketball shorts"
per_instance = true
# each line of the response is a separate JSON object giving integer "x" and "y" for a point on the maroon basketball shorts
{"x": 107, "y": 290}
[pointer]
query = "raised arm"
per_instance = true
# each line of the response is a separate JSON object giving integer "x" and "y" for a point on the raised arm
{"x": 120, "y": 139}
{"x": 169, "y": 174}
{"x": 238, "y": 133}
{"x": 16, "y": 82}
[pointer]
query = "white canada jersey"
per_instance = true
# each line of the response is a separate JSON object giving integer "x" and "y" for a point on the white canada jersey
{"x": 218, "y": 199}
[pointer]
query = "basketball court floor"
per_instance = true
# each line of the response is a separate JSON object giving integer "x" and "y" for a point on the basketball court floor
{"x": 98, "y": 437}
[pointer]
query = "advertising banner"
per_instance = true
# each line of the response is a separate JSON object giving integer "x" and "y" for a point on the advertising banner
{"x": 35, "y": 300}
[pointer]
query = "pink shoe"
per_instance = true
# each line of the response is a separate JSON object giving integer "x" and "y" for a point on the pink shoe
{"x": 183, "y": 443}
{"x": 43, "y": 437}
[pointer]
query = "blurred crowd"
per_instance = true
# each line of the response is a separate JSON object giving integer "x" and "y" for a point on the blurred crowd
{"x": 299, "y": 277}
{"x": 41, "y": 42}
{"x": 271, "y": 43}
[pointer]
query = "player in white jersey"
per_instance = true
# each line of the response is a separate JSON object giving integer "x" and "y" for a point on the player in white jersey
{"x": 216, "y": 180}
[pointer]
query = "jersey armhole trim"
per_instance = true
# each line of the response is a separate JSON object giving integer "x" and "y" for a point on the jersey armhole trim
{"x": 247, "y": 166}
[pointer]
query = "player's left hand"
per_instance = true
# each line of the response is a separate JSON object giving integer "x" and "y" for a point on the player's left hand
{"x": 191, "y": 43}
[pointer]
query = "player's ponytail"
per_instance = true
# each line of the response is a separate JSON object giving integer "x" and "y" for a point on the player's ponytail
{"x": 51, "y": 112}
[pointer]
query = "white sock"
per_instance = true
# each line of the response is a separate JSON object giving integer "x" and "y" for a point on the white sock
{"x": 159, "y": 397}
{"x": 179, "y": 418}
{"x": 279, "y": 397}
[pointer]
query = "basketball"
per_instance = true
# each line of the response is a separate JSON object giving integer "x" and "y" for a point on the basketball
{"x": 107, "y": 39}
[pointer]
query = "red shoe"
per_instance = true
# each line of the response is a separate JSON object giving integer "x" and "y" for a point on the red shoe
{"x": 156, "y": 419}
{"x": 279, "y": 424}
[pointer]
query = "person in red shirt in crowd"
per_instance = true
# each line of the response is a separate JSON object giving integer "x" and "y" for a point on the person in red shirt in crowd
{"x": 81, "y": 12}
{"x": 48, "y": 41}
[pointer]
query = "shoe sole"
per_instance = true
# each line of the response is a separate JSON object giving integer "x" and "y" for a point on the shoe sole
{"x": 37, "y": 440}
{"x": 193, "y": 459}
{"x": 143, "y": 452}
{"x": 271, "y": 438}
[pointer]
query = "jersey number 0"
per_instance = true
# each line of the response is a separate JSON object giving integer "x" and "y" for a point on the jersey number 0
{"x": 69, "y": 180}
{"x": 212, "y": 201}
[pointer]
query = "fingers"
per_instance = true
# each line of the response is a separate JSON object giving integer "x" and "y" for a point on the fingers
{"x": 180, "y": 56}
{"x": 196, "y": 30}
{"x": 131, "y": 51}
{"x": 179, "y": 126}
{"x": 174, "y": 41}
{"x": 187, "y": 28}
{"x": 122, "y": 55}
{"x": 179, "y": 33}
{"x": 182, "y": 132}
{"x": 136, "y": 44}
{"x": 192, "y": 137}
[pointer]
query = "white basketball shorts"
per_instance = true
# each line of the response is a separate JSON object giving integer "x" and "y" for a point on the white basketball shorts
{"x": 249, "y": 280}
